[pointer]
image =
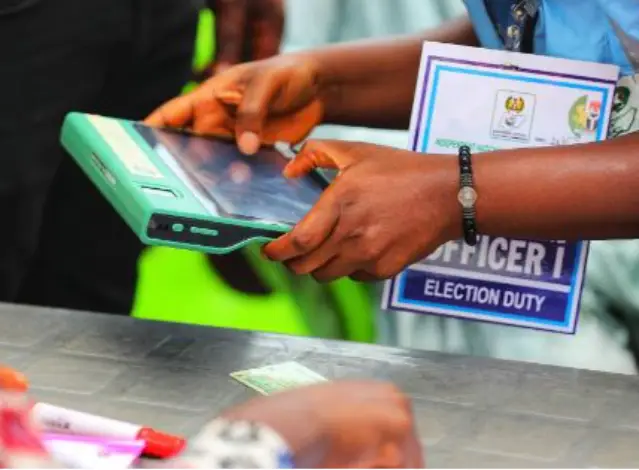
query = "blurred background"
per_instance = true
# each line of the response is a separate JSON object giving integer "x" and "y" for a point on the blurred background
{"x": 244, "y": 291}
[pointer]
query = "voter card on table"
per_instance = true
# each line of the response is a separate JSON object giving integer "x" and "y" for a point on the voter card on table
{"x": 278, "y": 377}
{"x": 490, "y": 100}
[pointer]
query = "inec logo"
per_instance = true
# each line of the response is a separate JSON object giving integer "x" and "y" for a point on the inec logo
{"x": 584, "y": 115}
{"x": 513, "y": 116}
{"x": 515, "y": 104}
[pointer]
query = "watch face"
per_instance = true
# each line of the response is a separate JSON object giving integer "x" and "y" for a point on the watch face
{"x": 467, "y": 197}
{"x": 238, "y": 444}
{"x": 240, "y": 433}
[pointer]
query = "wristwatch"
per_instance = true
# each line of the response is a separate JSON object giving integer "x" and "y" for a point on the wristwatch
{"x": 238, "y": 444}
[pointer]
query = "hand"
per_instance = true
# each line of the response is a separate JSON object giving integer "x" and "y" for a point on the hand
{"x": 386, "y": 209}
{"x": 246, "y": 30}
{"x": 340, "y": 425}
{"x": 272, "y": 100}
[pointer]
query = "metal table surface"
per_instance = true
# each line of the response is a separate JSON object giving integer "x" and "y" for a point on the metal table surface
{"x": 471, "y": 412}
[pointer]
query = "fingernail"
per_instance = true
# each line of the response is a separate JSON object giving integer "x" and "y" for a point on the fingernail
{"x": 286, "y": 172}
{"x": 229, "y": 97}
{"x": 249, "y": 143}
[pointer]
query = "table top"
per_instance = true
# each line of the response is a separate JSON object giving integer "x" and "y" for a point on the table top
{"x": 471, "y": 412}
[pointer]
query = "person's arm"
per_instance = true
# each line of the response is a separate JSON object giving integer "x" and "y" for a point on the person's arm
{"x": 368, "y": 83}
{"x": 391, "y": 207}
{"x": 587, "y": 191}
{"x": 372, "y": 83}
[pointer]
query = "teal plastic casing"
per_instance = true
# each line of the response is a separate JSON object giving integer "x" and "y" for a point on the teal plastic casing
{"x": 135, "y": 180}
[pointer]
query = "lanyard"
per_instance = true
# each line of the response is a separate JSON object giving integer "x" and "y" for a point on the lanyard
{"x": 519, "y": 31}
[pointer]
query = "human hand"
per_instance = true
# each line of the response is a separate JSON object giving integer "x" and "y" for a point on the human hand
{"x": 340, "y": 425}
{"x": 277, "y": 99}
{"x": 386, "y": 209}
{"x": 246, "y": 30}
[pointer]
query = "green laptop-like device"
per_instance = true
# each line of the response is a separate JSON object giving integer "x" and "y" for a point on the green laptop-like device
{"x": 185, "y": 191}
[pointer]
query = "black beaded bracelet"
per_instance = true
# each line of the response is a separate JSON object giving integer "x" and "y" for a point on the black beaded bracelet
{"x": 467, "y": 196}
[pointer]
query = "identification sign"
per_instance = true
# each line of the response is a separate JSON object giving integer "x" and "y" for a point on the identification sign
{"x": 493, "y": 100}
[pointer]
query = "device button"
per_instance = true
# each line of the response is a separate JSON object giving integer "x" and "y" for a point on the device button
{"x": 204, "y": 231}
{"x": 177, "y": 228}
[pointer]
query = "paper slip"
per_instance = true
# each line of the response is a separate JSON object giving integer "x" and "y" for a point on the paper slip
{"x": 277, "y": 377}
{"x": 497, "y": 100}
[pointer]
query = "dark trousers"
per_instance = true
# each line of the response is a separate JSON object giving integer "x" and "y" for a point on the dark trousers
{"x": 61, "y": 243}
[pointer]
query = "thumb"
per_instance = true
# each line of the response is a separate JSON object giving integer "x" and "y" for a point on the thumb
{"x": 230, "y": 27}
{"x": 326, "y": 154}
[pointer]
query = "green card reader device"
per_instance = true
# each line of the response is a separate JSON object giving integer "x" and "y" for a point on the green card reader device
{"x": 185, "y": 191}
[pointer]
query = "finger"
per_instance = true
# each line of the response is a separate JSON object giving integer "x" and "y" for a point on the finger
{"x": 253, "y": 110}
{"x": 307, "y": 161}
{"x": 363, "y": 276}
{"x": 229, "y": 97}
{"x": 389, "y": 263}
{"x": 289, "y": 128}
{"x": 330, "y": 260}
{"x": 340, "y": 266}
{"x": 230, "y": 29}
{"x": 213, "y": 119}
{"x": 175, "y": 113}
{"x": 309, "y": 233}
{"x": 389, "y": 433}
{"x": 294, "y": 127}
{"x": 267, "y": 40}
{"x": 267, "y": 27}
{"x": 328, "y": 154}
{"x": 318, "y": 258}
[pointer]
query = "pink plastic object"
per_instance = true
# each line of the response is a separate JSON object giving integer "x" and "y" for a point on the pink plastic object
{"x": 20, "y": 444}
{"x": 93, "y": 452}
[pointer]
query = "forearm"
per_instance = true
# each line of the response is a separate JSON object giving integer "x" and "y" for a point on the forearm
{"x": 371, "y": 83}
{"x": 573, "y": 192}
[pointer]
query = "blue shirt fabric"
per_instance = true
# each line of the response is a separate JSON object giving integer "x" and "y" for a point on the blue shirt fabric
{"x": 604, "y": 31}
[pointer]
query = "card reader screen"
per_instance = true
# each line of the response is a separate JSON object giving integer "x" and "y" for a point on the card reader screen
{"x": 247, "y": 187}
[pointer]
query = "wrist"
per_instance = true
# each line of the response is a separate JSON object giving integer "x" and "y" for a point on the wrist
{"x": 447, "y": 188}
{"x": 329, "y": 90}
{"x": 300, "y": 427}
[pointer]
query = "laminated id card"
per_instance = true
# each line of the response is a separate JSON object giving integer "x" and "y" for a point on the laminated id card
{"x": 496, "y": 100}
